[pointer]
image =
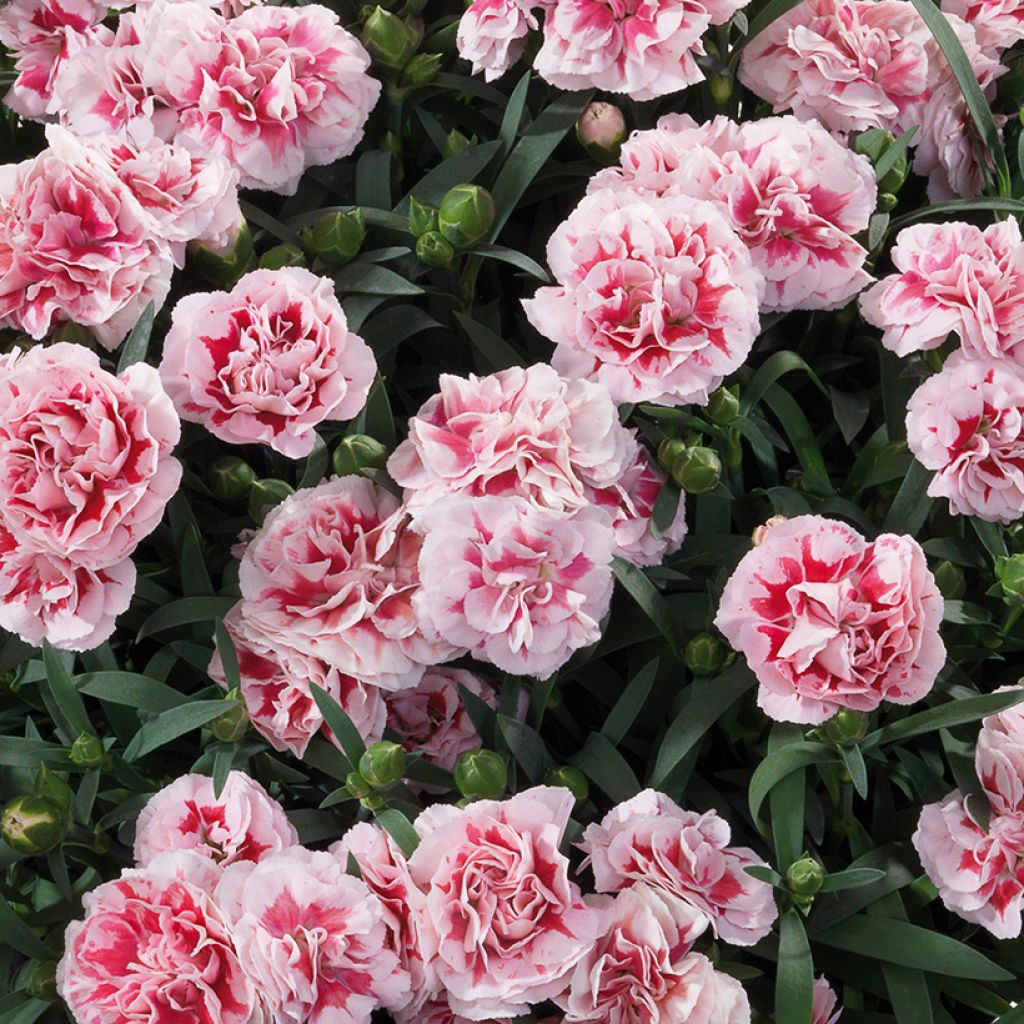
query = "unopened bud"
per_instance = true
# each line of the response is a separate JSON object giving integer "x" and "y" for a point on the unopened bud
{"x": 434, "y": 249}
{"x": 570, "y": 778}
{"x": 336, "y": 237}
{"x": 724, "y": 406}
{"x": 383, "y": 764}
{"x": 390, "y": 40}
{"x": 481, "y": 773}
{"x": 422, "y": 217}
{"x": 873, "y": 144}
{"x": 705, "y": 655}
{"x": 950, "y": 580}
{"x": 804, "y": 878}
{"x": 695, "y": 469}
{"x": 284, "y": 255}
{"x": 1010, "y": 574}
{"x": 32, "y": 825}
{"x": 223, "y": 265}
{"x": 466, "y": 215}
{"x": 421, "y": 70}
{"x": 455, "y": 143}
{"x": 357, "y": 786}
{"x": 233, "y": 724}
{"x": 231, "y": 479}
{"x": 88, "y": 752}
{"x": 846, "y": 726}
{"x": 265, "y": 495}
{"x": 601, "y": 130}
{"x": 359, "y": 452}
{"x": 51, "y": 787}
{"x": 38, "y": 979}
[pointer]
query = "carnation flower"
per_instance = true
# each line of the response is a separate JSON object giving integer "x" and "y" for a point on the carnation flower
{"x": 793, "y": 194}
{"x": 76, "y": 244}
{"x": 967, "y": 424}
{"x": 686, "y": 858}
{"x": 85, "y": 457}
{"x": 332, "y": 573}
{"x": 521, "y": 432}
{"x": 952, "y": 278}
{"x": 828, "y": 620}
{"x": 276, "y": 686}
{"x": 999, "y": 760}
{"x": 516, "y": 585}
{"x": 152, "y": 949}
{"x": 266, "y": 362}
{"x": 507, "y": 924}
{"x": 657, "y": 298}
{"x": 492, "y": 34}
{"x": 824, "y": 1007}
{"x": 997, "y": 24}
{"x": 311, "y": 938}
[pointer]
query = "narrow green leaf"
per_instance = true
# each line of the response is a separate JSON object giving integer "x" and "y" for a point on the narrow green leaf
{"x": 527, "y": 748}
{"x": 373, "y": 279}
{"x": 392, "y": 326}
{"x": 340, "y": 724}
{"x": 854, "y": 761}
{"x": 794, "y": 986}
{"x": 228, "y": 655}
{"x": 456, "y": 170}
{"x": 373, "y": 179}
{"x": 136, "y": 345}
{"x": 911, "y": 505}
{"x": 18, "y": 935}
{"x": 776, "y": 766}
{"x": 169, "y": 725}
{"x": 514, "y": 258}
{"x": 513, "y": 115}
{"x": 399, "y": 828}
{"x": 27, "y": 1012}
{"x": 131, "y": 690}
{"x": 606, "y": 768}
{"x": 497, "y": 353}
{"x": 68, "y": 699}
{"x": 650, "y": 599}
{"x": 786, "y": 799}
{"x": 184, "y": 612}
{"x": 223, "y": 758}
{"x": 630, "y": 704}
{"x": 852, "y": 878}
{"x": 958, "y": 207}
{"x": 317, "y": 462}
{"x": 769, "y": 372}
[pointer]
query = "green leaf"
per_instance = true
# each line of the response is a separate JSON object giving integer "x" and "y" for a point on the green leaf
{"x": 910, "y": 508}
{"x": 776, "y": 766}
{"x": 27, "y": 1012}
{"x": 399, "y": 828}
{"x": 650, "y": 599}
{"x": 223, "y": 758}
{"x": 852, "y": 878}
{"x": 513, "y": 115}
{"x": 786, "y": 799}
{"x": 392, "y": 326}
{"x": 665, "y": 508}
{"x": 136, "y": 345}
{"x": 460, "y": 169}
{"x": 887, "y": 161}
{"x": 171, "y": 724}
{"x": 19, "y": 936}
{"x": 769, "y": 372}
{"x": 184, "y": 612}
{"x": 373, "y": 179}
{"x": 958, "y": 207}
{"x": 516, "y": 259}
{"x": 854, "y": 761}
{"x": 497, "y": 353}
{"x": 228, "y": 655}
{"x": 527, "y": 748}
{"x": 317, "y": 463}
{"x": 630, "y": 704}
{"x": 771, "y": 12}
{"x": 794, "y": 986}
{"x": 20, "y": 752}
{"x": 373, "y": 279}
{"x": 131, "y": 690}
{"x": 68, "y": 699}
{"x": 803, "y": 437}
{"x": 606, "y": 768}
{"x": 340, "y": 724}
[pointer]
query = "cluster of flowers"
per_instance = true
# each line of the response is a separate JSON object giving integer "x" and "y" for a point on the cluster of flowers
{"x": 972, "y": 845}
{"x": 227, "y": 919}
{"x": 967, "y": 421}
{"x": 519, "y": 488}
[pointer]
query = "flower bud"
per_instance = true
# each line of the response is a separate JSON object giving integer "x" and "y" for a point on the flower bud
{"x": 422, "y": 217}
{"x": 266, "y": 494}
{"x": 32, "y": 825}
{"x": 231, "y": 479}
{"x": 421, "y": 70}
{"x": 383, "y": 764}
{"x": 803, "y": 879}
{"x": 720, "y": 87}
{"x": 357, "y": 786}
{"x": 845, "y": 727}
{"x": 601, "y": 130}
{"x": 705, "y": 655}
{"x": 873, "y": 144}
{"x": 359, "y": 452}
{"x": 466, "y": 215}
{"x": 233, "y": 724}
{"x": 374, "y": 802}
{"x": 88, "y": 752}
{"x": 481, "y": 773}
{"x": 950, "y": 580}
{"x": 38, "y": 979}
{"x": 570, "y": 778}
{"x": 886, "y": 202}
{"x": 696, "y": 469}
{"x": 724, "y": 406}
{"x": 223, "y": 265}
{"x": 1010, "y": 573}
{"x": 455, "y": 143}
{"x": 388, "y": 39}
{"x": 283, "y": 256}
{"x": 434, "y": 249}
{"x": 336, "y": 237}
{"x": 51, "y": 787}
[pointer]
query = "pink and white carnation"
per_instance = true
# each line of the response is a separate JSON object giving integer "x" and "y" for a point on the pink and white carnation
{"x": 244, "y": 823}
{"x": 153, "y": 949}
{"x": 311, "y": 938}
{"x": 999, "y": 760}
{"x": 275, "y": 684}
{"x": 979, "y": 871}
{"x": 642, "y": 968}
{"x": 492, "y": 34}
{"x": 828, "y": 620}
{"x": 795, "y": 195}
{"x": 519, "y": 432}
{"x": 42, "y": 35}
{"x": 630, "y": 503}
{"x": 267, "y": 362}
{"x": 515, "y": 585}
{"x": 952, "y": 279}
{"x": 643, "y": 48}
{"x": 967, "y": 424}
{"x": 657, "y": 297}
{"x": 997, "y": 24}
{"x": 333, "y": 573}
{"x": 505, "y": 924}
{"x": 76, "y": 244}
{"x": 85, "y": 457}
{"x": 686, "y": 858}
{"x": 44, "y": 596}
{"x": 825, "y": 1008}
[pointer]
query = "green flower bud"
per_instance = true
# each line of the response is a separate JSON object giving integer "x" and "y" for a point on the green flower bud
{"x": 100, "y": 842}
{"x": 601, "y": 130}
{"x": 231, "y": 479}
{"x": 481, "y": 773}
{"x": 32, "y": 825}
{"x": 283, "y": 256}
{"x": 358, "y": 786}
{"x": 724, "y": 406}
{"x": 359, "y": 452}
{"x": 873, "y": 144}
{"x": 669, "y": 450}
{"x": 721, "y": 87}
{"x": 374, "y": 802}
{"x": 233, "y": 724}
{"x": 570, "y": 778}
{"x": 391, "y": 143}
{"x": 886, "y": 201}
{"x": 383, "y": 764}
{"x": 705, "y": 655}
{"x": 336, "y": 237}
{"x": 51, "y": 787}
{"x": 223, "y": 266}
{"x": 803, "y": 879}
{"x": 434, "y": 249}
{"x": 845, "y": 727}
{"x": 88, "y": 752}
{"x": 38, "y": 979}
{"x": 422, "y": 217}
{"x": 697, "y": 469}
{"x": 265, "y": 495}
{"x": 1010, "y": 573}
{"x": 389, "y": 40}
{"x": 455, "y": 143}
{"x": 950, "y": 580}
{"x": 466, "y": 215}
{"x": 421, "y": 70}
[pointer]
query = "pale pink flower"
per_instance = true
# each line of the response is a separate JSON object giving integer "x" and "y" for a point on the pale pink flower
{"x": 439, "y": 1011}
{"x": 795, "y": 195}
{"x": 999, "y": 761}
{"x": 979, "y": 872}
{"x": 492, "y": 34}
{"x": 276, "y": 687}
{"x": 505, "y": 923}
{"x": 85, "y": 457}
{"x": 521, "y": 432}
{"x": 967, "y": 424}
{"x": 825, "y": 1008}
{"x": 828, "y": 620}
{"x": 41, "y": 35}
{"x": 267, "y": 362}
{"x": 952, "y": 278}
{"x": 311, "y": 938}
{"x": 153, "y": 949}
{"x": 515, "y": 585}
{"x": 657, "y": 297}
{"x": 244, "y": 823}
{"x": 49, "y": 597}
{"x": 686, "y": 858}
{"x": 332, "y": 573}
{"x": 997, "y": 24}
{"x": 76, "y": 244}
